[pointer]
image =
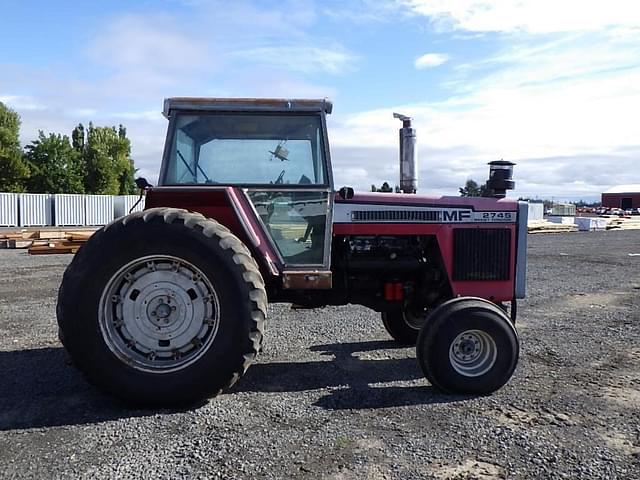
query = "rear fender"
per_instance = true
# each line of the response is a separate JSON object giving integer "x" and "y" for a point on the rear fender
{"x": 228, "y": 206}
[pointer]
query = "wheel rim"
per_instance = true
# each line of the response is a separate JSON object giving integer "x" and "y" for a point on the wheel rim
{"x": 159, "y": 314}
{"x": 473, "y": 353}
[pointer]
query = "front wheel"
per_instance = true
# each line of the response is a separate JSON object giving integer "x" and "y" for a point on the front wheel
{"x": 468, "y": 346}
{"x": 404, "y": 325}
{"x": 162, "y": 307}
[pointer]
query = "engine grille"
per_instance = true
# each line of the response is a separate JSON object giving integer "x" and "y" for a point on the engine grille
{"x": 481, "y": 253}
{"x": 396, "y": 215}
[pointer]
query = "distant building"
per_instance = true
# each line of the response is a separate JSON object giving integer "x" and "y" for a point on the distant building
{"x": 623, "y": 196}
{"x": 563, "y": 209}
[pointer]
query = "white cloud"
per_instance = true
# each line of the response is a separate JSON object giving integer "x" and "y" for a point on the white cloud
{"x": 83, "y": 112}
{"x": 534, "y": 16}
{"x": 430, "y": 60}
{"x": 359, "y": 12}
{"x": 155, "y": 42}
{"x": 304, "y": 59}
{"x": 563, "y": 110}
{"x": 21, "y": 102}
{"x": 147, "y": 115}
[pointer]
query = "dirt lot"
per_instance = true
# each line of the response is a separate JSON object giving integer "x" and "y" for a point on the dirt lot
{"x": 332, "y": 397}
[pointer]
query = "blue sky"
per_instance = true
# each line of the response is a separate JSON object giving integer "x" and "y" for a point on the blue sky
{"x": 551, "y": 85}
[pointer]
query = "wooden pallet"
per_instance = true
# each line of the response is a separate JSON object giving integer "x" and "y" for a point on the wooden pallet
{"x": 45, "y": 241}
{"x": 552, "y": 230}
{"x": 544, "y": 226}
{"x": 56, "y": 247}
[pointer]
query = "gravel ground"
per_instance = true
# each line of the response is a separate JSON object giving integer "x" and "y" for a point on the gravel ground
{"x": 332, "y": 397}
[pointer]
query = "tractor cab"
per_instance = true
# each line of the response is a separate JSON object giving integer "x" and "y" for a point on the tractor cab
{"x": 273, "y": 151}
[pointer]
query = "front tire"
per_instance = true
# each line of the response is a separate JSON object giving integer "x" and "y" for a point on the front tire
{"x": 162, "y": 307}
{"x": 468, "y": 346}
{"x": 403, "y": 325}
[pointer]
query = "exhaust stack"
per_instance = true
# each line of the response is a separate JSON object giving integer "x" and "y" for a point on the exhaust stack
{"x": 500, "y": 178}
{"x": 408, "y": 155}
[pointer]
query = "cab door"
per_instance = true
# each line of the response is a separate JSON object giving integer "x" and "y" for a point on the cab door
{"x": 296, "y": 207}
{"x": 298, "y": 222}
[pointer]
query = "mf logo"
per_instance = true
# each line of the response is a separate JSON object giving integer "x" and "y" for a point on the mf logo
{"x": 456, "y": 215}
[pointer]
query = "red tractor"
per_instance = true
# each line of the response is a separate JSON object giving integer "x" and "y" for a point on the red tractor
{"x": 168, "y": 306}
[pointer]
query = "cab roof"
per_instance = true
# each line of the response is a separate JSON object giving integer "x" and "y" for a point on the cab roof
{"x": 245, "y": 105}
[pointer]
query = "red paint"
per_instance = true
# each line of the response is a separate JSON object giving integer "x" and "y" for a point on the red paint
{"x": 218, "y": 203}
{"x": 497, "y": 291}
{"x": 388, "y": 292}
{"x": 399, "y": 291}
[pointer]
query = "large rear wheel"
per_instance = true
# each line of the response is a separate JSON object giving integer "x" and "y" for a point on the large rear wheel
{"x": 162, "y": 307}
{"x": 468, "y": 345}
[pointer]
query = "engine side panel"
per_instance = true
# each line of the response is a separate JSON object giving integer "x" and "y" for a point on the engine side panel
{"x": 476, "y": 237}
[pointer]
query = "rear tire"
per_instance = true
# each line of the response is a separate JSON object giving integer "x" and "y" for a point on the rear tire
{"x": 162, "y": 307}
{"x": 468, "y": 346}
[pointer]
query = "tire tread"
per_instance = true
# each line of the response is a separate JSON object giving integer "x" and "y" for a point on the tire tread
{"x": 249, "y": 272}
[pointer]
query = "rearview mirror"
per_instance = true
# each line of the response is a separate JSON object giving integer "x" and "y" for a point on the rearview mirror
{"x": 142, "y": 183}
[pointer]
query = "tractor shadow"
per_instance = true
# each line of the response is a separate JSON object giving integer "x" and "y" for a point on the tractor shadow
{"x": 350, "y": 379}
{"x": 38, "y": 388}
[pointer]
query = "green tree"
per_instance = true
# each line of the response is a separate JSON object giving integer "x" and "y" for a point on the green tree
{"x": 77, "y": 138}
{"x": 127, "y": 168}
{"x": 472, "y": 189}
{"x": 13, "y": 170}
{"x": 55, "y": 165}
{"x": 106, "y": 154}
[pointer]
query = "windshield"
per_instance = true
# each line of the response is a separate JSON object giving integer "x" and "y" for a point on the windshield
{"x": 246, "y": 149}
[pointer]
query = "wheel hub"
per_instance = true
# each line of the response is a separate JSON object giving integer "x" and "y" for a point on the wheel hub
{"x": 468, "y": 346}
{"x": 163, "y": 314}
{"x": 164, "y": 310}
{"x": 473, "y": 353}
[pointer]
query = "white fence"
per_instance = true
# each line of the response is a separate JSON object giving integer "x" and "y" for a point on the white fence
{"x": 8, "y": 210}
{"x": 68, "y": 209}
{"x": 64, "y": 210}
{"x": 98, "y": 209}
{"x": 123, "y": 204}
{"x": 34, "y": 209}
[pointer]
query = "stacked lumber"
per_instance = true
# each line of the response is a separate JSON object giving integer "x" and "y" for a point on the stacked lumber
{"x": 545, "y": 226}
{"x": 615, "y": 222}
{"x": 46, "y": 241}
{"x": 51, "y": 242}
{"x": 58, "y": 246}
{"x": 19, "y": 239}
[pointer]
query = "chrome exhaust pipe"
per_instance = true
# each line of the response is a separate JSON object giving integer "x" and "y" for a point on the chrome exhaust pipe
{"x": 408, "y": 155}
